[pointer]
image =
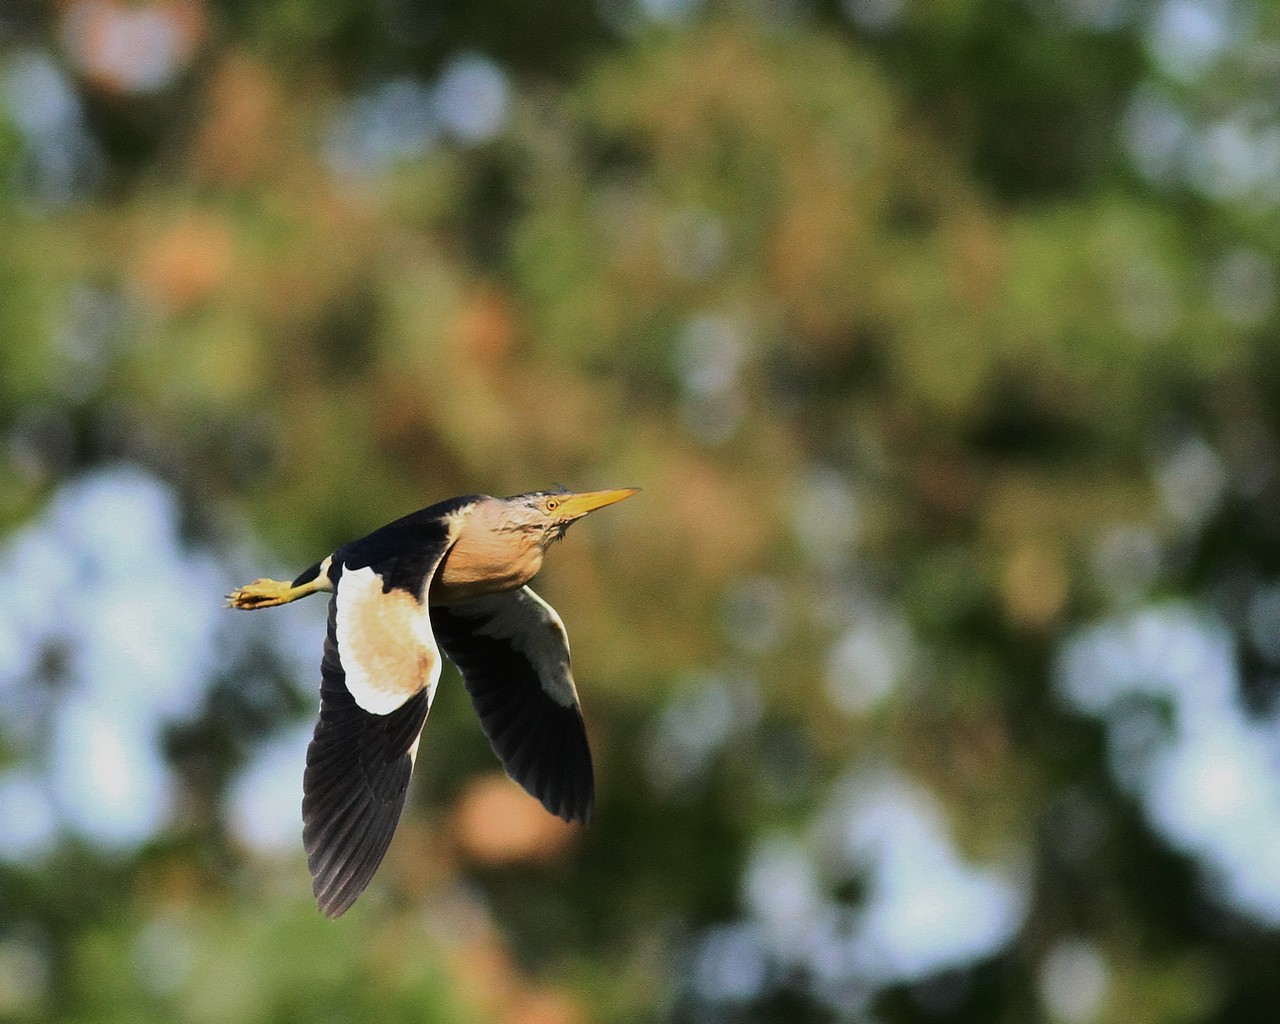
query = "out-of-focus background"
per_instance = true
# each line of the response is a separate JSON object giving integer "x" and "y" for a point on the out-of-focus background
{"x": 932, "y": 677}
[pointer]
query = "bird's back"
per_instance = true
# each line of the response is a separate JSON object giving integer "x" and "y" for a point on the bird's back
{"x": 408, "y": 547}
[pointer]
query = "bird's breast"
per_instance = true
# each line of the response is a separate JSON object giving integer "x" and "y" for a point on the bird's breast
{"x": 484, "y": 564}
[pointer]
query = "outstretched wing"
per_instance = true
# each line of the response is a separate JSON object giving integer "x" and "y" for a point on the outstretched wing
{"x": 379, "y": 675}
{"x": 513, "y": 652}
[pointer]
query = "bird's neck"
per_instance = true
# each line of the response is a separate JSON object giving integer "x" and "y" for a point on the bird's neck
{"x": 484, "y": 563}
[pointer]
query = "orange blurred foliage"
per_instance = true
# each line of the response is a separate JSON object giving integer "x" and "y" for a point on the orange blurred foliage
{"x": 485, "y": 328}
{"x": 185, "y": 261}
{"x": 240, "y": 130}
{"x": 537, "y": 1005}
{"x": 495, "y": 822}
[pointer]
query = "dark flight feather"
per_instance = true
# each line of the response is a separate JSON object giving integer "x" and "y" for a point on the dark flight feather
{"x": 541, "y": 742}
{"x": 358, "y": 768}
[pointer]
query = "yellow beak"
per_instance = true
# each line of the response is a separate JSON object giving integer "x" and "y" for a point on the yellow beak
{"x": 574, "y": 506}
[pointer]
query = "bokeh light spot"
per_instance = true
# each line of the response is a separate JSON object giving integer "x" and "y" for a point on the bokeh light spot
{"x": 1074, "y": 981}
{"x": 473, "y": 98}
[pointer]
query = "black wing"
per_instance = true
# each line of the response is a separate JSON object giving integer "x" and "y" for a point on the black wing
{"x": 514, "y": 656}
{"x": 358, "y": 768}
{"x": 379, "y": 674}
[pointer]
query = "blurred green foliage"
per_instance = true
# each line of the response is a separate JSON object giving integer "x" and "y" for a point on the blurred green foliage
{"x": 884, "y": 317}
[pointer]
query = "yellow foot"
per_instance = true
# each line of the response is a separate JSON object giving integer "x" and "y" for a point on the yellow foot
{"x": 263, "y": 594}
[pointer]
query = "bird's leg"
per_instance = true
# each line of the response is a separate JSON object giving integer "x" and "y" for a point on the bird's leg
{"x": 264, "y": 594}
{"x": 269, "y": 593}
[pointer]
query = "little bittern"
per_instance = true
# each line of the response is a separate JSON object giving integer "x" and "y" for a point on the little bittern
{"x": 452, "y": 575}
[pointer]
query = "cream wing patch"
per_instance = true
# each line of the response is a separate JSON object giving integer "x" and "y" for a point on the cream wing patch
{"x": 385, "y": 642}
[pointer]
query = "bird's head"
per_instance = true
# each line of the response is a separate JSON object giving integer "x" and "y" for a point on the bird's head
{"x": 547, "y": 514}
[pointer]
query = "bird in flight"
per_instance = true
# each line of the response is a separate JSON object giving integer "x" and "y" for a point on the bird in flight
{"x": 452, "y": 576}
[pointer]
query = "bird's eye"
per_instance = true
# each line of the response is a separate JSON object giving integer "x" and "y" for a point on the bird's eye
{"x": 552, "y": 504}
